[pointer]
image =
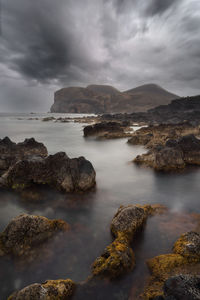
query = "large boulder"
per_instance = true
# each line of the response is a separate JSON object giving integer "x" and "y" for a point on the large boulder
{"x": 176, "y": 154}
{"x": 58, "y": 171}
{"x": 27, "y": 231}
{"x": 11, "y": 152}
{"x": 49, "y": 290}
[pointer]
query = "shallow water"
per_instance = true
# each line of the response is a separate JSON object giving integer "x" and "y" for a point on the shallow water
{"x": 119, "y": 181}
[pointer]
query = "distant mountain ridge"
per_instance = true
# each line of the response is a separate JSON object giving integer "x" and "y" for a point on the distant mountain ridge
{"x": 107, "y": 99}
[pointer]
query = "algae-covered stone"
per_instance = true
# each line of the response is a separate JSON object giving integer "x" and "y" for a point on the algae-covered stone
{"x": 188, "y": 245}
{"x": 27, "y": 231}
{"x": 49, "y": 290}
{"x": 117, "y": 259}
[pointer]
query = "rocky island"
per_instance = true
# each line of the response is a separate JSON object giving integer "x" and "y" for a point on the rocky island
{"x": 107, "y": 99}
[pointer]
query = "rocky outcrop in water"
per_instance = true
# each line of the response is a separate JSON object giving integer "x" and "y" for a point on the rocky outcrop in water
{"x": 152, "y": 136}
{"x": 175, "y": 154}
{"x": 118, "y": 258}
{"x": 104, "y": 99}
{"x": 11, "y": 152}
{"x": 49, "y": 290}
{"x": 108, "y": 130}
{"x": 185, "y": 259}
{"x": 25, "y": 165}
{"x": 25, "y": 232}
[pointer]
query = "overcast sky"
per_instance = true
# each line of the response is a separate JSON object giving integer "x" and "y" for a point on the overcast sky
{"x": 49, "y": 44}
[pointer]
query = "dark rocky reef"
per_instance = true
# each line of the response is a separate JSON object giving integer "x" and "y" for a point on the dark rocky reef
{"x": 159, "y": 134}
{"x": 25, "y": 165}
{"x": 58, "y": 171}
{"x": 175, "y": 154}
{"x": 107, "y": 99}
{"x": 118, "y": 258}
{"x": 108, "y": 130}
{"x": 11, "y": 152}
{"x": 49, "y": 290}
{"x": 184, "y": 260}
{"x": 25, "y": 232}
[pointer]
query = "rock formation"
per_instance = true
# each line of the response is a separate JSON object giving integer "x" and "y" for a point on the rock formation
{"x": 108, "y": 130}
{"x": 118, "y": 258}
{"x": 107, "y": 99}
{"x": 185, "y": 259}
{"x": 26, "y": 164}
{"x": 25, "y": 232}
{"x": 51, "y": 289}
{"x": 11, "y": 152}
{"x": 152, "y": 136}
{"x": 175, "y": 154}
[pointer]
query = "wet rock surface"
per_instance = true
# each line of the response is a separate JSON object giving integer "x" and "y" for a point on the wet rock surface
{"x": 152, "y": 136}
{"x": 58, "y": 171}
{"x": 118, "y": 258}
{"x": 108, "y": 130}
{"x": 11, "y": 152}
{"x": 175, "y": 154}
{"x": 27, "y": 231}
{"x": 184, "y": 260}
{"x": 49, "y": 290}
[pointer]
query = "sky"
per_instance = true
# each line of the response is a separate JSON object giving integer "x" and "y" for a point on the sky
{"x": 46, "y": 45}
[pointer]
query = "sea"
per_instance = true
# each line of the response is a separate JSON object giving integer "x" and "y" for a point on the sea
{"x": 119, "y": 182}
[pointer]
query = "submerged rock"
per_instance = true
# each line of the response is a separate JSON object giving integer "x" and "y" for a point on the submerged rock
{"x": 27, "y": 231}
{"x": 58, "y": 171}
{"x": 11, "y": 152}
{"x": 49, "y": 290}
{"x": 176, "y": 154}
{"x": 185, "y": 259}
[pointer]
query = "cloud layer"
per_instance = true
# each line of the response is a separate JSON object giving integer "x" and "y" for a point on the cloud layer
{"x": 49, "y": 44}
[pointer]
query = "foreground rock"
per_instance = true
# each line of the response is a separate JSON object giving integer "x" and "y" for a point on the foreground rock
{"x": 108, "y": 130}
{"x": 152, "y": 136}
{"x": 118, "y": 258}
{"x": 185, "y": 259}
{"x": 58, "y": 171}
{"x": 175, "y": 154}
{"x": 25, "y": 232}
{"x": 11, "y": 152}
{"x": 49, "y": 290}
{"x": 182, "y": 287}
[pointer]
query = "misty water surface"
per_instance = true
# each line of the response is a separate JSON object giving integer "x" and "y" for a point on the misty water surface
{"x": 119, "y": 182}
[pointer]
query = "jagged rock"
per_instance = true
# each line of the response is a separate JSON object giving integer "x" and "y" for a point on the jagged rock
{"x": 11, "y": 152}
{"x": 176, "y": 154}
{"x": 58, "y": 171}
{"x": 27, "y": 231}
{"x": 49, "y": 290}
{"x": 188, "y": 245}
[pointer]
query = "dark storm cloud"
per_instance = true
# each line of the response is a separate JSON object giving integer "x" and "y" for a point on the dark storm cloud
{"x": 156, "y": 7}
{"x": 49, "y": 44}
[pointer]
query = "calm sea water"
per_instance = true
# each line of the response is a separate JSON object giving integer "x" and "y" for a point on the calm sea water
{"x": 119, "y": 182}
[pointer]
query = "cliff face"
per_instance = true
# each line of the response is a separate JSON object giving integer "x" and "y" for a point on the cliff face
{"x": 107, "y": 99}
